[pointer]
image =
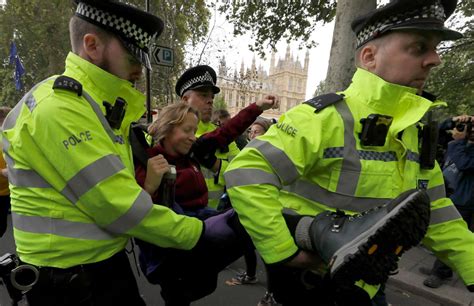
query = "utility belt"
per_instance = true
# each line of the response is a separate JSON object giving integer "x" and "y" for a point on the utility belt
{"x": 96, "y": 267}
{"x": 20, "y": 277}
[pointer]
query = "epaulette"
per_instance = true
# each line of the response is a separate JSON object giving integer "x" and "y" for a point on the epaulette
{"x": 322, "y": 101}
{"x": 68, "y": 83}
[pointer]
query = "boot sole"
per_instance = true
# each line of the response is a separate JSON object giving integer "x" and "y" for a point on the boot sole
{"x": 372, "y": 255}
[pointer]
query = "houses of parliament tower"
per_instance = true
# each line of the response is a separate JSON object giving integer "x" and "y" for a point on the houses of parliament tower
{"x": 286, "y": 77}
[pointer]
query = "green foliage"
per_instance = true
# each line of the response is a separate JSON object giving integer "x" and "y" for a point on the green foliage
{"x": 321, "y": 89}
{"x": 453, "y": 80}
{"x": 186, "y": 22}
{"x": 270, "y": 21}
{"x": 42, "y": 38}
{"x": 219, "y": 102}
{"x": 40, "y": 30}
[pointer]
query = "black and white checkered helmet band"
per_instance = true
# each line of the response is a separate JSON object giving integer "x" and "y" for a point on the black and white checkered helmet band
{"x": 139, "y": 54}
{"x": 434, "y": 11}
{"x": 118, "y": 24}
{"x": 206, "y": 77}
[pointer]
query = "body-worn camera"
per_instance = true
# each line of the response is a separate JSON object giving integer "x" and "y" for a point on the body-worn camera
{"x": 374, "y": 130}
{"x": 114, "y": 114}
{"x": 18, "y": 278}
{"x": 429, "y": 141}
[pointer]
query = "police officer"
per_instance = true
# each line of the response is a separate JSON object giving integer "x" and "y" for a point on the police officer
{"x": 197, "y": 87}
{"x": 352, "y": 152}
{"x": 75, "y": 202}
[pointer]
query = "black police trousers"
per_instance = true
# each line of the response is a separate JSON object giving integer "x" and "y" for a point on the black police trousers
{"x": 109, "y": 282}
{"x": 291, "y": 286}
{"x": 4, "y": 208}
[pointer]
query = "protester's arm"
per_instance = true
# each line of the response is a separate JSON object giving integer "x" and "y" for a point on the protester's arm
{"x": 238, "y": 124}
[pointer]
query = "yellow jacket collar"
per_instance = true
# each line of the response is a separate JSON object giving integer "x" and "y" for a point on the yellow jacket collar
{"x": 104, "y": 86}
{"x": 374, "y": 95}
{"x": 204, "y": 127}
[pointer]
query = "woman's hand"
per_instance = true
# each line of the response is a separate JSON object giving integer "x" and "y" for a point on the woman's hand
{"x": 157, "y": 166}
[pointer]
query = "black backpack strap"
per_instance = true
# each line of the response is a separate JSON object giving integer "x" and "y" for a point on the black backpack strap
{"x": 322, "y": 101}
{"x": 139, "y": 144}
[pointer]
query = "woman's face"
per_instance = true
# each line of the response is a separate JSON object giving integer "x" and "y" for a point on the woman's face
{"x": 181, "y": 138}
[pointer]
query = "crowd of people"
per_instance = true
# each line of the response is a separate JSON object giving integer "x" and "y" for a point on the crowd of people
{"x": 329, "y": 197}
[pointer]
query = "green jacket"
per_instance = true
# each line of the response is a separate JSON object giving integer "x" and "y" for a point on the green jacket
{"x": 215, "y": 181}
{"x": 74, "y": 196}
{"x": 312, "y": 162}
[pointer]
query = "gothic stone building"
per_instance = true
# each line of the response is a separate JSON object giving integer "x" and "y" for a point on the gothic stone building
{"x": 286, "y": 78}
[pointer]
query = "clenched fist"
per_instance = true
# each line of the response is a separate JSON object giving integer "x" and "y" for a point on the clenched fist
{"x": 268, "y": 101}
{"x": 157, "y": 166}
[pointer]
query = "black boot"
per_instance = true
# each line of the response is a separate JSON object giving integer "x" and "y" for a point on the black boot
{"x": 367, "y": 245}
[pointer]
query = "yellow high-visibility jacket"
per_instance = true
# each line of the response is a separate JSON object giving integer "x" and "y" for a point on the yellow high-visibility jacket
{"x": 73, "y": 190}
{"x": 215, "y": 181}
{"x": 313, "y": 162}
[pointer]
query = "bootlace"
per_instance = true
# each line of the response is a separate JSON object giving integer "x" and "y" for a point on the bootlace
{"x": 340, "y": 216}
{"x": 364, "y": 213}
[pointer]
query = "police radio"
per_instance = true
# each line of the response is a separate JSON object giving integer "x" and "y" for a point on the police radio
{"x": 374, "y": 130}
{"x": 114, "y": 114}
{"x": 429, "y": 141}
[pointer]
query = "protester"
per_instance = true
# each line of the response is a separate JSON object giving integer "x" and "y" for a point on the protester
{"x": 4, "y": 190}
{"x": 197, "y": 87}
{"x": 459, "y": 178}
{"x": 220, "y": 117}
{"x": 188, "y": 276}
{"x": 259, "y": 127}
{"x": 341, "y": 157}
{"x": 75, "y": 201}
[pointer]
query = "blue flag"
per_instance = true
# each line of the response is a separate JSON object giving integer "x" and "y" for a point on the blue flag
{"x": 19, "y": 69}
{"x": 13, "y": 53}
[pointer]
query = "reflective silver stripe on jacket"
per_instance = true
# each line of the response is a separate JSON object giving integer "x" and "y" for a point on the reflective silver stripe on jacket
{"x": 101, "y": 117}
{"x": 27, "y": 99}
{"x": 215, "y": 195}
{"x": 208, "y": 174}
{"x": 436, "y": 193}
{"x": 242, "y": 177}
{"x": 280, "y": 162}
{"x": 22, "y": 177}
{"x": 444, "y": 214}
{"x": 59, "y": 227}
{"x": 351, "y": 166}
{"x": 337, "y": 152}
{"x": 313, "y": 192}
{"x": 134, "y": 216}
{"x": 89, "y": 176}
{"x": 316, "y": 193}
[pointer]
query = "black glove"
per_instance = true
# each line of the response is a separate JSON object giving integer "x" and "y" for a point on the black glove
{"x": 470, "y": 288}
{"x": 204, "y": 151}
